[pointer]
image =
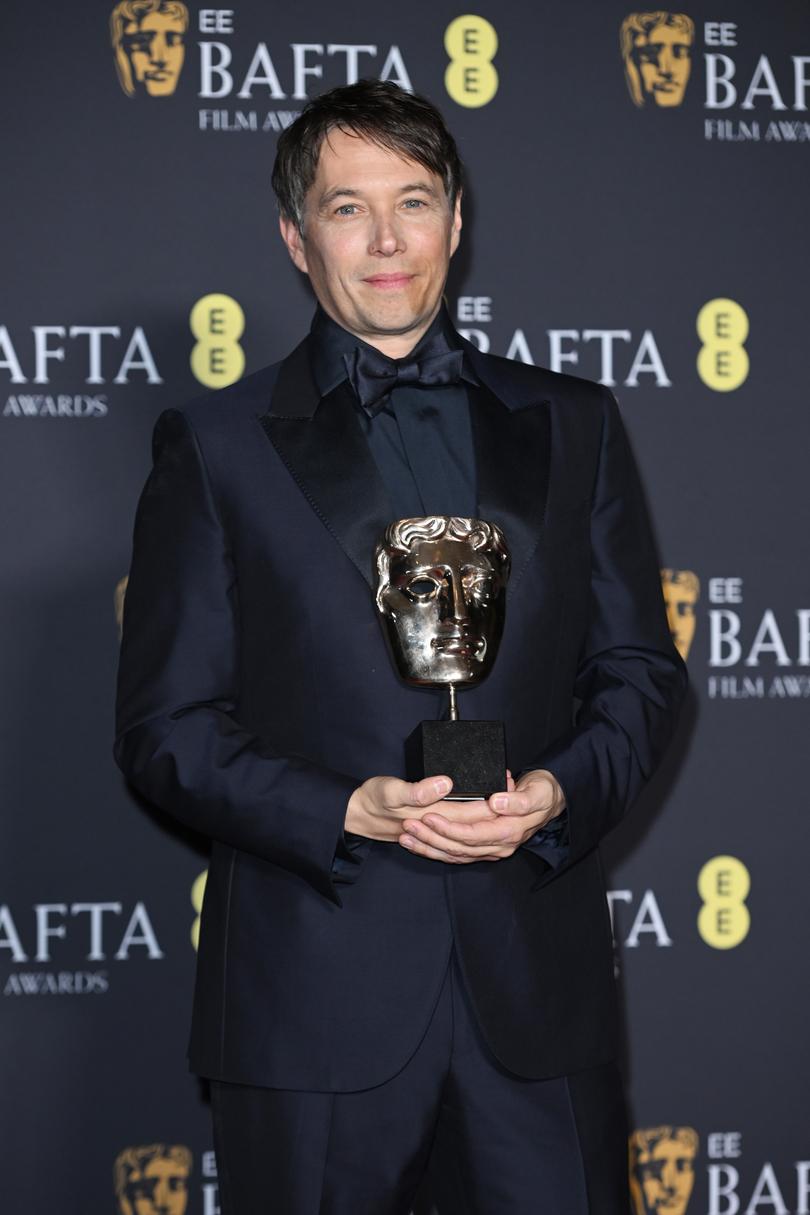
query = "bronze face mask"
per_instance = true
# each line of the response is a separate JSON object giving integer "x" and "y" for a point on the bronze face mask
{"x": 441, "y": 594}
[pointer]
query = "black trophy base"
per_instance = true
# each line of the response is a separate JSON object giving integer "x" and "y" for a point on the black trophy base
{"x": 471, "y": 753}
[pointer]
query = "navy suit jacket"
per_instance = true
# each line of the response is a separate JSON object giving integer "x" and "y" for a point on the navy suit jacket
{"x": 256, "y": 693}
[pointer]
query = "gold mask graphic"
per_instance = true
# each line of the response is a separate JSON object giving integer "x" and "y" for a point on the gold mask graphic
{"x": 657, "y": 52}
{"x": 681, "y": 592}
{"x": 662, "y": 1169}
{"x": 119, "y": 596}
{"x": 152, "y": 1180}
{"x": 148, "y": 39}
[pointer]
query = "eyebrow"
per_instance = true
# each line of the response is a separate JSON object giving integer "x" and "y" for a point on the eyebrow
{"x": 348, "y": 192}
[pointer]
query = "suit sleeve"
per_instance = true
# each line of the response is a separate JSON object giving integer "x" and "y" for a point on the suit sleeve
{"x": 630, "y": 679}
{"x": 177, "y": 739}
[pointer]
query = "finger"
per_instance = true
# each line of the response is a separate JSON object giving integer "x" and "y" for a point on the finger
{"x": 460, "y": 812}
{"x": 431, "y": 789}
{"x": 462, "y": 839}
{"x": 421, "y": 848}
{"x": 525, "y": 802}
{"x": 475, "y": 831}
{"x": 420, "y": 793}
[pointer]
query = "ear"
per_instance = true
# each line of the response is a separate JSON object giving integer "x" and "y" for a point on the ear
{"x": 455, "y": 232}
{"x": 294, "y": 241}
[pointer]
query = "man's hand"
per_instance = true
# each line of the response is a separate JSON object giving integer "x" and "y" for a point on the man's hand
{"x": 501, "y": 825}
{"x": 380, "y": 807}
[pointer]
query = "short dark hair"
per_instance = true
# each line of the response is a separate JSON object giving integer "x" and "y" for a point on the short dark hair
{"x": 376, "y": 110}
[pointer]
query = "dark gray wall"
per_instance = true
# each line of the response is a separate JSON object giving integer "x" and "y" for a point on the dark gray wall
{"x": 585, "y": 214}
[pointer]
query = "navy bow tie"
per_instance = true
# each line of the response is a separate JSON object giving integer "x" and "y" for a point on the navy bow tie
{"x": 373, "y": 375}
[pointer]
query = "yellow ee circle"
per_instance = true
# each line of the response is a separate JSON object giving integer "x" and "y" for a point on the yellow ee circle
{"x": 722, "y": 326}
{"x": 722, "y": 320}
{"x": 471, "y": 37}
{"x": 471, "y": 43}
{"x": 217, "y": 322}
{"x": 724, "y": 884}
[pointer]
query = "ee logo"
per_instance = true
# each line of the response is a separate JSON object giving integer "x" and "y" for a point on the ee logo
{"x": 471, "y": 44}
{"x": 723, "y": 362}
{"x": 724, "y": 883}
{"x": 197, "y": 896}
{"x": 217, "y": 322}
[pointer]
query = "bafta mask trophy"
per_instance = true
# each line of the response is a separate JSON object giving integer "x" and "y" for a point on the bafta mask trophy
{"x": 441, "y": 595}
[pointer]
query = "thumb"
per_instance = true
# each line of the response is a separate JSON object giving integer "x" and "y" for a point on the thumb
{"x": 431, "y": 789}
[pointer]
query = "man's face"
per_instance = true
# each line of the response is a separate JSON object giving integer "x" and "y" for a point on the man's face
{"x": 444, "y": 611}
{"x": 161, "y": 1189}
{"x": 155, "y": 50}
{"x": 667, "y": 1176}
{"x": 664, "y": 62}
{"x": 377, "y": 241}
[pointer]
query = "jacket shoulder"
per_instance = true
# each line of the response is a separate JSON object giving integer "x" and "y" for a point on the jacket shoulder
{"x": 524, "y": 384}
{"x": 215, "y": 418}
{"x": 246, "y": 399}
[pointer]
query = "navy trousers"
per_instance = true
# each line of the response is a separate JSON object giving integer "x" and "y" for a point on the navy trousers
{"x": 490, "y": 1142}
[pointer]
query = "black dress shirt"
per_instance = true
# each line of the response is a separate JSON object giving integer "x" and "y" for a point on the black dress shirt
{"x": 421, "y": 439}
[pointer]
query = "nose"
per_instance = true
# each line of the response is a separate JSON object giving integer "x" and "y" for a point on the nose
{"x": 455, "y": 605}
{"x": 386, "y": 236}
{"x": 157, "y": 50}
{"x": 666, "y": 62}
{"x": 669, "y": 1179}
{"x": 161, "y": 1198}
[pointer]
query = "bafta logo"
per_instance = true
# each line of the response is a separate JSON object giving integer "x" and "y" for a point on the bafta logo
{"x": 148, "y": 39}
{"x": 681, "y": 592}
{"x": 152, "y": 1180}
{"x": 657, "y": 52}
{"x": 662, "y": 1169}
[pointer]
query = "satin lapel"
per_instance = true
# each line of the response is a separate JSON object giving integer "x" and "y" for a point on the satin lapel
{"x": 512, "y": 462}
{"x": 323, "y": 446}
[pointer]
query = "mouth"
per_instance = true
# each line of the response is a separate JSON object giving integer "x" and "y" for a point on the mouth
{"x": 388, "y": 282}
{"x": 459, "y": 646}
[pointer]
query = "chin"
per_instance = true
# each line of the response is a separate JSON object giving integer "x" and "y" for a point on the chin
{"x": 397, "y": 318}
{"x": 396, "y": 312}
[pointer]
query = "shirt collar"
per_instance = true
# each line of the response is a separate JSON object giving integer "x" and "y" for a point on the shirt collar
{"x": 329, "y": 342}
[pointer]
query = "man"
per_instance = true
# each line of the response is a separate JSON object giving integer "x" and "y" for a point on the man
{"x": 388, "y": 982}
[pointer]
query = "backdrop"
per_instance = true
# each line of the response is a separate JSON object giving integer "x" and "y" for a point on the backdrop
{"x": 636, "y": 214}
